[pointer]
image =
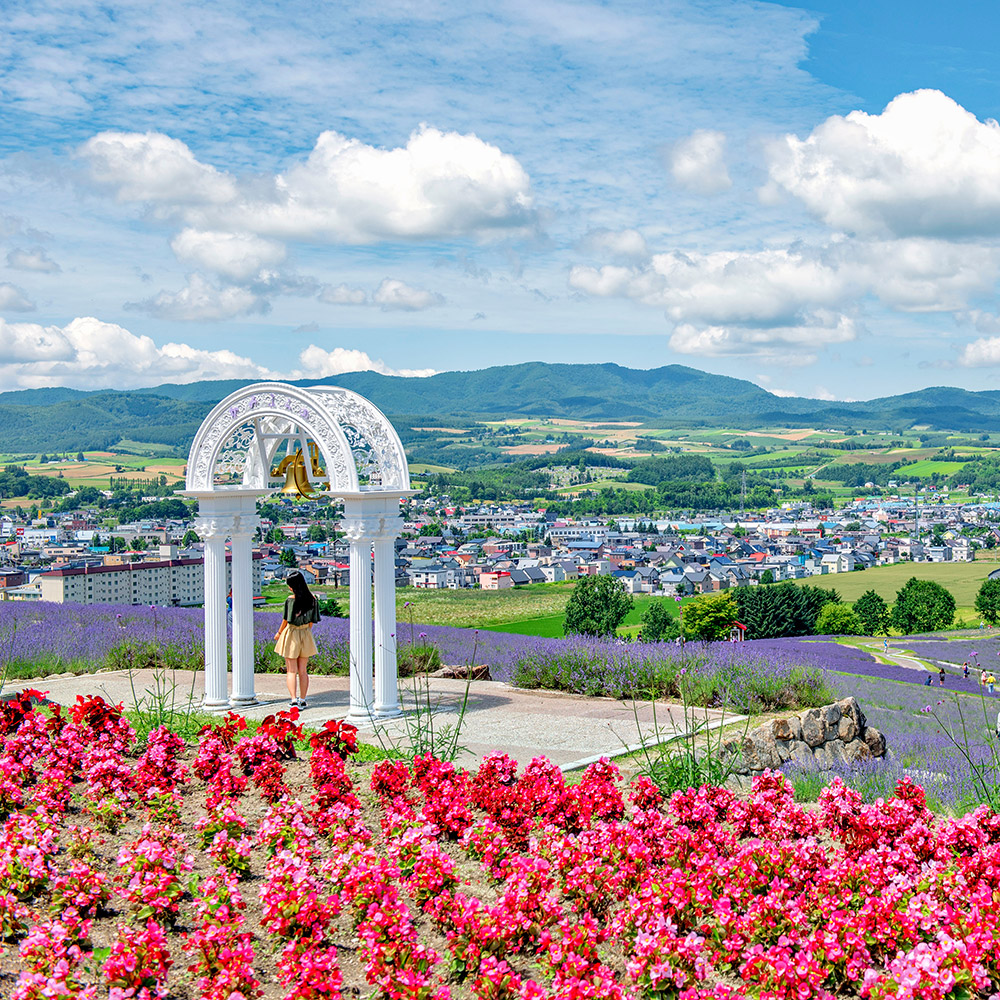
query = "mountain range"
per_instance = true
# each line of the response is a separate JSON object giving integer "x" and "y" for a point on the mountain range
{"x": 62, "y": 419}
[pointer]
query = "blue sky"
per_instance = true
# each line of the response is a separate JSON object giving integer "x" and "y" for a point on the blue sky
{"x": 808, "y": 197}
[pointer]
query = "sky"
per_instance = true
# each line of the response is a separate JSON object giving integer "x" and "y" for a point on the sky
{"x": 806, "y": 196}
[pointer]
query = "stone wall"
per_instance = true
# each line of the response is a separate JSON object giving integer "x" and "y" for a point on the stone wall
{"x": 819, "y": 738}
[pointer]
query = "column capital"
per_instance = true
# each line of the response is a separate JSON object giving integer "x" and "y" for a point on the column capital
{"x": 244, "y": 525}
{"x": 376, "y": 527}
{"x": 214, "y": 528}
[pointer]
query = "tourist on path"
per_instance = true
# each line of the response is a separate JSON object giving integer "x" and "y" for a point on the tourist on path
{"x": 965, "y": 670}
{"x": 941, "y": 676}
{"x": 294, "y": 639}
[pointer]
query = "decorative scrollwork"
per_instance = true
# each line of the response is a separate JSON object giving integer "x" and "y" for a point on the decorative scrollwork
{"x": 365, "y": 457}
{"x": 232, "y": 457}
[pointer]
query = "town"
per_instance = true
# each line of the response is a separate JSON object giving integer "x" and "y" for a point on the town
{"x": 80, "y": 555}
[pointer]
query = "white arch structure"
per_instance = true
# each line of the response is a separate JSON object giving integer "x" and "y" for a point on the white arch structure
{"x": 352, "y": 452}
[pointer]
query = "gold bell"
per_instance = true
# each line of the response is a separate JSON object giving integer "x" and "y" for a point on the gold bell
{"x": 296, "y": 477}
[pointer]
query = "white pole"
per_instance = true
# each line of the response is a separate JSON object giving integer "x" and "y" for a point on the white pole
{"x": 386, "y": 685}
{"x": 242, "y": 576}
{"x": 361, "y": 621}
{"x": 216, "y": 694}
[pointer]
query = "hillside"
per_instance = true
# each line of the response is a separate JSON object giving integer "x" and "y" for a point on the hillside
{"x": 67, "y": 419}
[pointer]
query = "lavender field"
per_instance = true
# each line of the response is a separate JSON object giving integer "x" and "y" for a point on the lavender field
{"x": 768, "y": 674}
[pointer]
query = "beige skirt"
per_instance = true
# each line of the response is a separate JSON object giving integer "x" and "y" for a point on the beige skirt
{"x": 296, "y": 641}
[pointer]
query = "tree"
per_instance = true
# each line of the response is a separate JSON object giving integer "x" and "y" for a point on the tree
{"x": 316, "y": 533}
{"x": 711, "y": 617}
{"x": 287, "y": 558}
{"x": 837, "y": 619}
{"x": 873, "y": 614}
{"x": 190, "y": 537}
{"x": 767, "y": 576}
{"x": 139, "y": 544}
{"x": 597, "y": 606}
{"x": 658, "y": 624}
{"x": 782, "y": 609}
{"x": 922, "y": 606}
{"x": 80, "y": 457}
{"x": 330, "y": 608}
{"x": 988, "y": 601}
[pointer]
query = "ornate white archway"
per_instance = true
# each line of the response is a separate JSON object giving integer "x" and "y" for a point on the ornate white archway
{"x": 345, "y": 448}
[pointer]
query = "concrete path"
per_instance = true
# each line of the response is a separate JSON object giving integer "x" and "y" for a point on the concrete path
{"x": 571, "y": 730}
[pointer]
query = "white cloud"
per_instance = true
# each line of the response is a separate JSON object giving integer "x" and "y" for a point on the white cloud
{"x": 343, "y": 295}
{"x": 984, "y": 352}
{"x": 765, "y": 287}
{"x": 319, "y": 363}
{"x": 786, "y": 345}
{"x": 201, "y": 300}
{"x": 92, "y": 354}
{"x": 89, "y": 353}
{"x": 440, "y": 184}
{"x": 152, "y": 167}
{"x": 238, "y": 256}
{"x": 726, "y": 301}
{"x": 14, "y": 298}
{"x": 698, "y": 162}
{"x": 627, "y": 243}
{"x": 395, "y": 294}
{"x": 32, "y": 260}
{"x": 923, "y": 167}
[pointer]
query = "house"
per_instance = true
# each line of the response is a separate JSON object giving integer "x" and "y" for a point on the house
{"x": 496, "y": 580}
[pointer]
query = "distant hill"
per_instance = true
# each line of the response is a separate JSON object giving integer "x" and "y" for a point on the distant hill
{"x": 57, "y": 419}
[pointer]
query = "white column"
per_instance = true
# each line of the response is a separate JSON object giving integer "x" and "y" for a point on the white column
{"x": 386, "y": 677}
{"x": 242, "y": 576}
{"x": 362, "y": 700}
{"x": 213, "y": 533}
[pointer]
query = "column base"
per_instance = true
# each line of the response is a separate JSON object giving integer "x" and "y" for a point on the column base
{"x": 388, "y": 713}
{"x": 360, "y": 718}
{"x": 214, "y": 706}
{"x": 244, "y": 702}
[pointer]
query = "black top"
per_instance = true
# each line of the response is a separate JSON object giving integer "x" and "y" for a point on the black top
{"x": 304, "y": 617}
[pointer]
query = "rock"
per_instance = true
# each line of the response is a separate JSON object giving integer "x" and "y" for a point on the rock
{"x": 851, "y": 708}
{"x": 857, "y": 751}
{"x": 784, "y": 748}
{"x": 787, "y": 729}
{"x": 766, "y": 748}
{"x": 813, "y": 729}
{"x": 750, "y": 757}
{"x": 461, "y": 672}
{"x": 802, "y": 754}
{"x": 875, "y": 741}
{"x": 848, "y": 728}
{"x": 822, "y": 757}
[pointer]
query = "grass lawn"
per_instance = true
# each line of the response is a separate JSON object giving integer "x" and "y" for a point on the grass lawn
{"x": 927, "y": 468}
{"x": 535, "y": 610}
{"x": 465, "y": 608}
{"x": 962, "y": 580}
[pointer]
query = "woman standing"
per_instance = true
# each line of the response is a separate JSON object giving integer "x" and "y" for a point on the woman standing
{"x": 294, "y": 639}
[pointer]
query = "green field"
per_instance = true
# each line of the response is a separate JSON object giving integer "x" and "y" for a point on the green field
{"x": 962, "y": 580}
{"x": 927, "y": 468}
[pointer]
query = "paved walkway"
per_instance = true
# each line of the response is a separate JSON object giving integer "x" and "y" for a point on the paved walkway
{"x": 570, "y": 730}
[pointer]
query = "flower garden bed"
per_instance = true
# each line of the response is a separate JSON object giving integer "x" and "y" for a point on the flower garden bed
{"x": 235, "y": 869}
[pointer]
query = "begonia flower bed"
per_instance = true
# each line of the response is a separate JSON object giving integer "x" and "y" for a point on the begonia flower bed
{"x": 238, "y": 869}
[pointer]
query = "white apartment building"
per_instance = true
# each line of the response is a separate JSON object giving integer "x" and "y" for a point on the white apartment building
{"x": 165, "y": 583}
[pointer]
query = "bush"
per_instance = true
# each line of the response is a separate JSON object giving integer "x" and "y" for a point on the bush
{"x": 658, "y": 624}
{"x": 837, "y": 619}
{"x": 988, "y": 601}
{"x": 922, "y": 606}
{"x": 710, "y": 618}
{"x": 597, "y": 606}
{"x": 873, "y": 613}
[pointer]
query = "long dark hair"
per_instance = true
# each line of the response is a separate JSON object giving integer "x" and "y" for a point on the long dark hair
{"x": 304, "y": 599}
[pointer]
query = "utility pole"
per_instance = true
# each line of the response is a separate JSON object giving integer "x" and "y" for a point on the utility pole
{"x": 743, "y": 494}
